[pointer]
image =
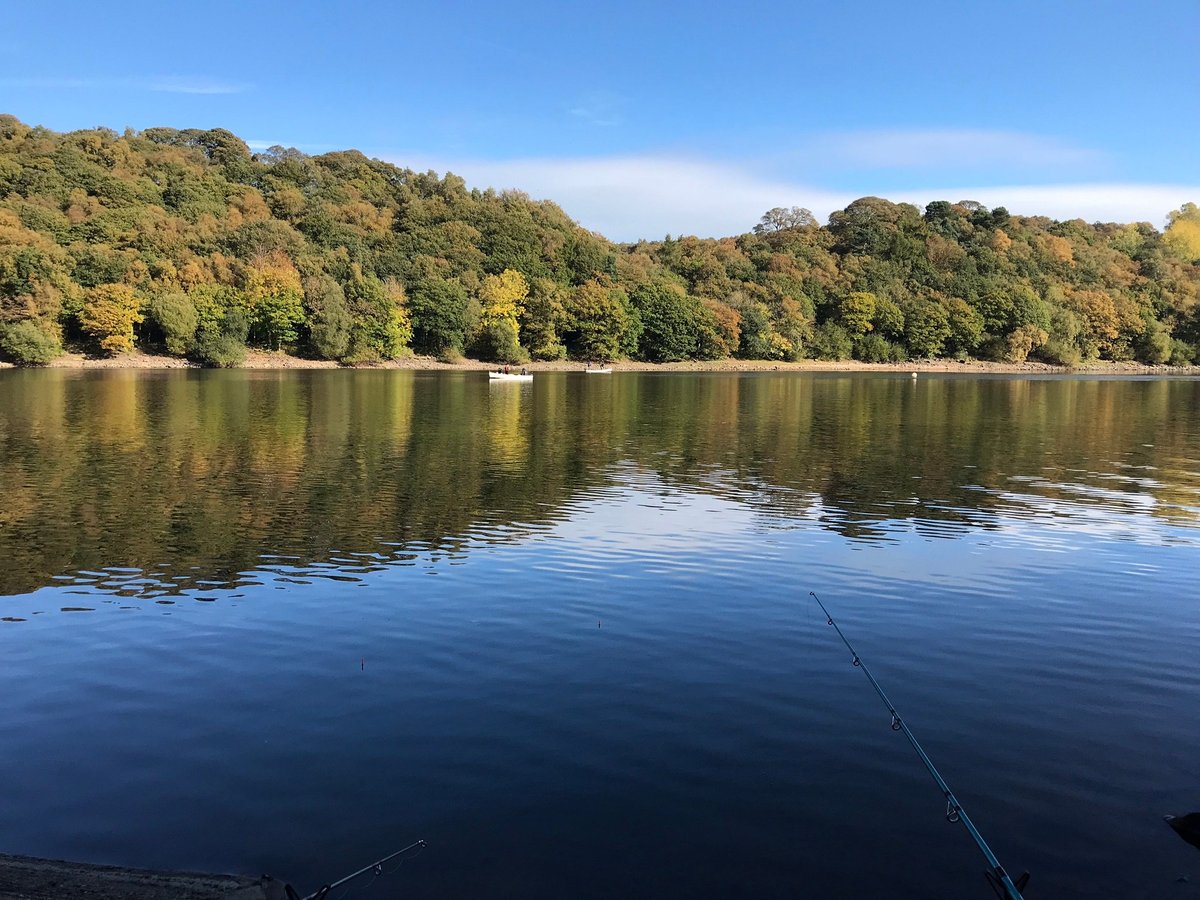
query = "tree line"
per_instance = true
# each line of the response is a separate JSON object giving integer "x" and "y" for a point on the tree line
{"x": 187, "y": 243}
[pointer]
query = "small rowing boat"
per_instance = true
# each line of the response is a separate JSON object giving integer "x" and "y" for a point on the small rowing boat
{"x": 598, "y": 371}
{"x": 509, "y": 376}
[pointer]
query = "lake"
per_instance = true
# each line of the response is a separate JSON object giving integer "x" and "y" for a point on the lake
{"x": 290, "y": 622}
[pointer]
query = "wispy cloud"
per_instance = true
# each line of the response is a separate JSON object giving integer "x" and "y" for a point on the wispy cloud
{"x": 166, "y": 84}
{"x": 631, "y": 197}
{"x": 182, "y": 84}
{"x": 948, "y": 147}
{"x": 598, "y": 108}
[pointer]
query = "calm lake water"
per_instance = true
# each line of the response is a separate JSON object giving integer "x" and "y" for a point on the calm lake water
{"x": 290, "y": 622}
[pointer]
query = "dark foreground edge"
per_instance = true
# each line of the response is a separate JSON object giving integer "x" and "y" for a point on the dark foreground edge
{"x": 27, "y": 878}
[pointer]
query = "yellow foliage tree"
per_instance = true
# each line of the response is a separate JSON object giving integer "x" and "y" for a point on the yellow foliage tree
{"x": 501, "y": 300}
{"x": 1023, "y": 341}
{"x": 275, "y": 299}
{"x": 1057, "y": 249}
{"x": 502, "y": 297}
{"x": 109, "y": 313}
{"x": 857, "y": 312}
{"x": 1183, "y": 234}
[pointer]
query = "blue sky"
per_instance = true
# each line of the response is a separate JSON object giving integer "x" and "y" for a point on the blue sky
{"x": 644, "y": 119}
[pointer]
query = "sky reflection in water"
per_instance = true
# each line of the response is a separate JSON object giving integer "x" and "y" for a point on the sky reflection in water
{"x": 560, "y": 631}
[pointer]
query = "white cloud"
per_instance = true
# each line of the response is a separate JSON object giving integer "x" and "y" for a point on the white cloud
{"x": 953, "y": 147}
{"x": 626, "y": 198}
{"x": 1092, "y": 202}
{"x": 167, "y": 84}
{"x": 631, "y": 197}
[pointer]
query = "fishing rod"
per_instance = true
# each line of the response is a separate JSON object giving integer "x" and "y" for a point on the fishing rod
{"x": 376, "y": 866}
{"x": 997, "y": 877}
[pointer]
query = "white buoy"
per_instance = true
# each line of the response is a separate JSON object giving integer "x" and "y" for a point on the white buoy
{"x": 914, "y": 374}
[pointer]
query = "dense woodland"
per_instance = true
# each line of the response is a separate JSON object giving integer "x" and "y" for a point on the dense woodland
{"x": 187, "y": 243}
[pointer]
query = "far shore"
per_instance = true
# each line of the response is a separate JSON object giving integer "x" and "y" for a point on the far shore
{"x": 261, "y": 359}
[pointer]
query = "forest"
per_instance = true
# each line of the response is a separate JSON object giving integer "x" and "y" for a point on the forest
{"x": 185, "y": 242}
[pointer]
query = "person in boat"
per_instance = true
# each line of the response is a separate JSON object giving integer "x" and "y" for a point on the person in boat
{"x": 523, "y": 372}
{"x": 506, "y": 370}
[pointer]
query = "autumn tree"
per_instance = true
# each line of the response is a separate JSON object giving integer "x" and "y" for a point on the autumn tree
{"x": 274, "y": 299}
{"x": 351, "y": 258}
{"x": 720, "y": 330}
{"x": 758, "y": 338}
{"x": 109, "y": 314}
{"x": 1183, "y": 232}
{"x": 1023, "y": 341}
{"x": 858, "y": 312}
{"x": 601, "y": 323}
{"x": 501, "y": 300}
{"x": 381, "y": 328}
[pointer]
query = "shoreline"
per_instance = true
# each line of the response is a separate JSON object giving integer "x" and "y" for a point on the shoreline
{"x": 33, "y": 878}
{"x": 267, "y": 360}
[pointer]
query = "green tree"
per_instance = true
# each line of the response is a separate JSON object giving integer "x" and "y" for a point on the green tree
{"x": 889, "y": 318}
{"x": 439, "y": 315}
{"x": 857, "y": 313}
{"x": 1154, "y": 344}
{"x": 329, "y": 321}
{"x": 221, "y": 342}
{"x": 966, "y": 327}
{"x": 176, "y": 317}
{"x": 601, "y": 323}
{"x": 28, "y": 344}
{"x": 670, "y": 322}
{"x": 874, "y": 348}
{"x": 381, "y": 327}
{"x": 778, "y": 219}
{"x": 543, "y": 318}
{"x": 926, "y": 328}
{"x": 832, "y": 341}
{"x": 758, "y": 338}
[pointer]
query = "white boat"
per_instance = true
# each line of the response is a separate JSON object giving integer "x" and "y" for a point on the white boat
{"x": 509, "y": 376}
{"x": 598, "y": 371}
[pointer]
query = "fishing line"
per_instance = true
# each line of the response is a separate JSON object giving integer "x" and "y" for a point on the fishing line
{"x": 997, "y": 877}
{"x": 376, "y": 867}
